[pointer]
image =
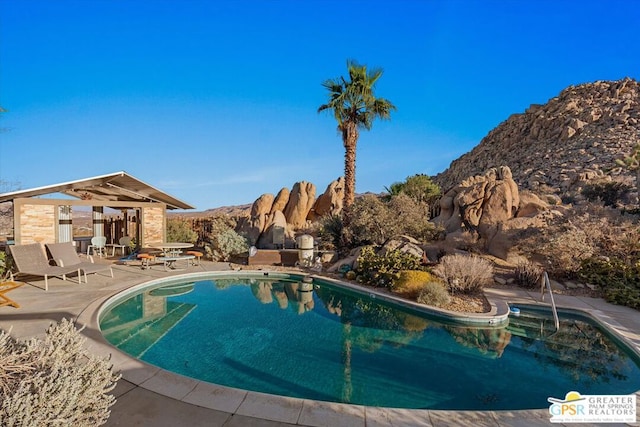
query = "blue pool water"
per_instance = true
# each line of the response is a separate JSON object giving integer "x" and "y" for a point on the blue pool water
{"x": 317, "y": 341}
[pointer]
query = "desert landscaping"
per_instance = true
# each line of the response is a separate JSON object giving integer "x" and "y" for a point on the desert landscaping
{"x": 546, "y": 190}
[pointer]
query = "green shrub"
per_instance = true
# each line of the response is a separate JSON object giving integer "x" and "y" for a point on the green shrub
{"x": 3, "y": 264}
{"x": 331, "y": 229}
{"x": 372, "y": 223}
{"x": 528, "y": 275}
{"x": 383, "y": 271}
{"x": 218, "y": 223}
{"x": 410, "y": 282}
{"x": 54, "y": 381}
{"x": 412, "y": 218}
{"x": 419, "y": 187}
{"x": 464, "y": 273}
{"x": 435, "y": 294}
{"x": 226, "y": 244}
{"x": 618, "y": 280}
{"x": 179, "y": 230}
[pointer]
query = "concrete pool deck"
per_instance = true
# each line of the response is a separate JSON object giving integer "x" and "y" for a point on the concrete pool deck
{"x": 149, "y": 396}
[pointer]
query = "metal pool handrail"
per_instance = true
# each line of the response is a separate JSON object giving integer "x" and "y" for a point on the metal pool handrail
{"x": 545, "y": 283}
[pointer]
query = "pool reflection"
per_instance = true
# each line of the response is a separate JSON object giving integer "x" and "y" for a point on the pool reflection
{"x": 378, "y": 323}
{"x": 297, "y": 295}
{"x": 136, "y": 324}
{"x": 268, "y": 334}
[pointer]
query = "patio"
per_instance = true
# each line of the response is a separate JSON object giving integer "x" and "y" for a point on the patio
{"x": 148, "y": 396}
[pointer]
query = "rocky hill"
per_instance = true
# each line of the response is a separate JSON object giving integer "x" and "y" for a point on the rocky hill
{"x": 556, "y": 147}
{"x": 552, "y": 148}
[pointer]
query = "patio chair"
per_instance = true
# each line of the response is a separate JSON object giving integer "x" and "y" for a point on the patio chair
{"x": 31, "y": 259}
{"x": 123, "y": 244}
{"x": 99, "y": 244}
{"x": 7, "y": 287}
{"x": 65, "y": 255}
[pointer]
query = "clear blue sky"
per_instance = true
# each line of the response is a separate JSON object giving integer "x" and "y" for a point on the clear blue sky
{"x": 215, "y": 102}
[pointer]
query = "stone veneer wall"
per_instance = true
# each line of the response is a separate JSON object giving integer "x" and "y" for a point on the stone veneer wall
{"x": 153, "y": 220}
{"x": 37, "y": 223}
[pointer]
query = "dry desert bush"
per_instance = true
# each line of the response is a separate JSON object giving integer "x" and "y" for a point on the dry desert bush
{"x": 590, "y": 231}
{"x": 528, "y": 274}
{"x": 464, "y": 273}
{"x": 53, "y": 381}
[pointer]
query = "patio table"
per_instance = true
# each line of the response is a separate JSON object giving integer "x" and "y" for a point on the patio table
{"x": 172, "y": 248}
{"x": 173, "y": 253}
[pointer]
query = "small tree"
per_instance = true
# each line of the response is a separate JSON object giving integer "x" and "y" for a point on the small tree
{"x": 410, "y": 218}
{"x": 371, "y": 223}
{"x": 419, "y": 187}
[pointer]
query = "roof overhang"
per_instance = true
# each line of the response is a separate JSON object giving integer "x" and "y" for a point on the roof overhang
{"x": 119, "y": 186}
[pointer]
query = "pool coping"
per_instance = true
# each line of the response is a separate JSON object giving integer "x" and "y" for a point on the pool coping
{"x": 497, "y": 315}
{"x": 291, "y": 410}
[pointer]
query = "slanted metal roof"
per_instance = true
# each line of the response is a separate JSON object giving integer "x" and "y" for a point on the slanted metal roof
{"x": 119, "y": 186}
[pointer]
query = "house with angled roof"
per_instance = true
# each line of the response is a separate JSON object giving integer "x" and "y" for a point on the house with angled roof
{"x": 39, "y": 217}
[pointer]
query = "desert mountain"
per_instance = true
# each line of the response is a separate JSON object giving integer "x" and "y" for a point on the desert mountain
{"x": 554, "y": 148}
{"x": 233, "y": 211}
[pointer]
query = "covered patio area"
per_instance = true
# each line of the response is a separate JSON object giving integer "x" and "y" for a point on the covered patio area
{"x": 118, "y": 204}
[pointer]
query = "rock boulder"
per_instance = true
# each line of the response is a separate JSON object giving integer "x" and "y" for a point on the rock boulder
{"x": 301, "y": 200}
{"x": 281, "y": 200}
{"x": 258, "y": 217}
{"x": 329, "y": 202}
{"x": 480, "y": 201}
{"x": 490, "y": 207}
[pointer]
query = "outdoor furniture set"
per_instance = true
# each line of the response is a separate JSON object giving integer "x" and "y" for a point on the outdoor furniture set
{"x": 170, "y": 256}
{"x": 32, "y": 260}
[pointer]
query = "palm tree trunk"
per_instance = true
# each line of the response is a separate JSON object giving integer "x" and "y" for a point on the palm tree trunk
{"x": 350, "y": 140}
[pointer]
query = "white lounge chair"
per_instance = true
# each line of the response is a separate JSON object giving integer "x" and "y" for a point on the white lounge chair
{"x": 31, "y": 259}
{"x": 65, "y": 255}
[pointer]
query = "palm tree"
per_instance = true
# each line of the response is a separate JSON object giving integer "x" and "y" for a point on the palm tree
{"x": 354, "y": 107}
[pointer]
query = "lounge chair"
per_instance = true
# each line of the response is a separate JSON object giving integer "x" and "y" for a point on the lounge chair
{"x": 6, "y": 287}
{"x": 31, "y": 259}
{"x": 65, "y": 255}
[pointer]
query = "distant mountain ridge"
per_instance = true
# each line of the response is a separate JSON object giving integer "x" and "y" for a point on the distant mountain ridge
{"x": 573, "y": 138}
{"x": 234, "y": 211}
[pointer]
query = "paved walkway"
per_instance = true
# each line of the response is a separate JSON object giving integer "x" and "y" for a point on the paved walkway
{"x": 148, "y": 396}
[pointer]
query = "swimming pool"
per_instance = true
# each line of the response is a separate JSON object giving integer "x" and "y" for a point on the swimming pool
{"x": 280, "y": 335}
